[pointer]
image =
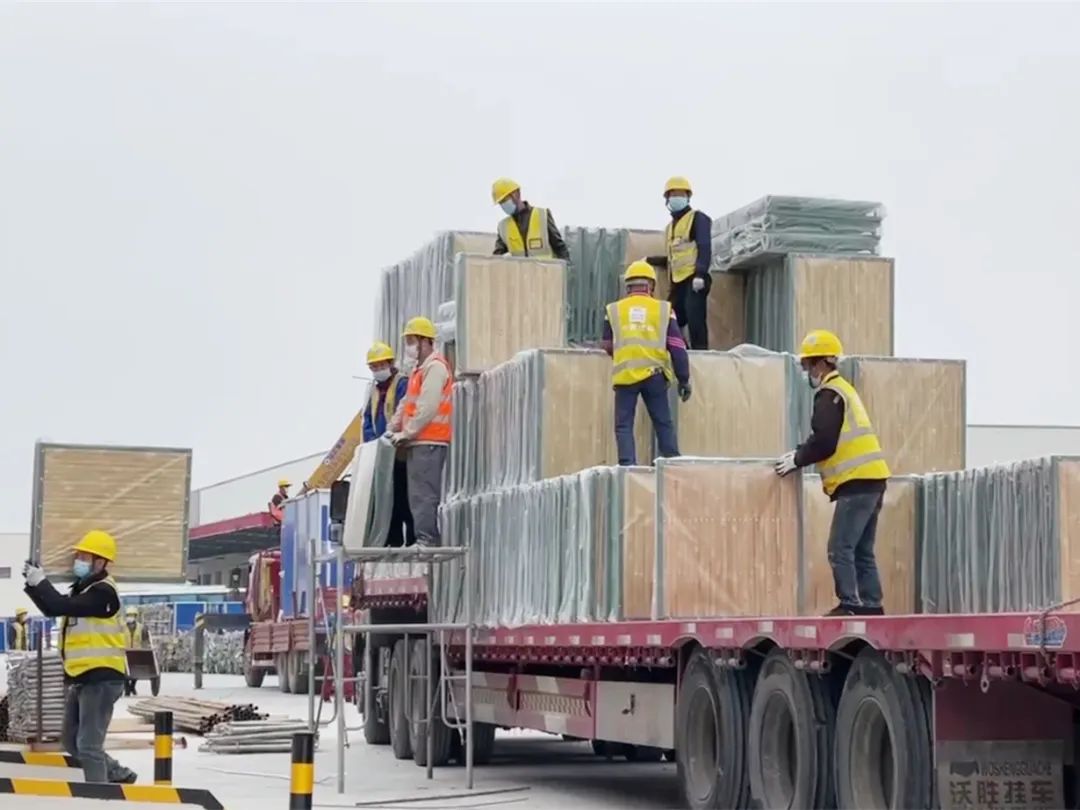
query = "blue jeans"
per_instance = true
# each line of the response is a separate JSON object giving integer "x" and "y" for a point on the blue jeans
{"x": 655, "y": 393}
{"x": 851, "y": 549}
{"x": 88, "y": 711}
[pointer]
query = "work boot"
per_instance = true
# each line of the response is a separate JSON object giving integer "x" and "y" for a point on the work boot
{"x": 866, "y": 610}
{"x": 841, "y": 610}
{"x": 124, "y": 777}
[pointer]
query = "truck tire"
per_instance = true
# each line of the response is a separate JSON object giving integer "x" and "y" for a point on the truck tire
{"x": 882, "y": 747}
{"x": 253, "y": 676}
{"x": 376, "y": 728}
{"x": 483, "y": 744}
{"x": 281, "y": 664}
{"x": 789, "y": 738}
{"x": 399, "y": 721}
{"x": 441, "y": 734}
{"x": 299, "y": 673}
{"x": 641, "y": 753}
{"x": 710, "y": 735}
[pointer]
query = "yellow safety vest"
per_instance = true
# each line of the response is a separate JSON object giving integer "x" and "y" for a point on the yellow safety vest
{"x": 681, "y": 248}
{"x": 21, "y": 637}
{"x": 639, "y": 325}
{"x": 93, "y": 643}
{"x": 134, "y": 636}
{"x": 858, "y": 454}
{"x": 389, "y": 401}
{"x": 537, "y": 245}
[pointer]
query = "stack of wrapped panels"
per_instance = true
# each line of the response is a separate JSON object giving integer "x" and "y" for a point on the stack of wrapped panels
{"x": 421, "y": 283}
{"x": 575, "y": 548}
{"x": 776, "y": 226}
{"x": 504, "y": 305}
{"x": 850, "y": 295}
{"x": 546, "y": 413}
{"x": 598, "y": 259}
{"x": 895, "y": 546}
{"x": 1002, "y": 538}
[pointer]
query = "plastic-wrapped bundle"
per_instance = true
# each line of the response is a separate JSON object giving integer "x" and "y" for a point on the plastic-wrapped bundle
{"x": 371, "y": 495}
{"x": 1001, "y": 538}
{"x": 849, "y": 295}
{"x": 419, "y": 284}
{"x": 566, "y": 549}
{"x": 777, "y": 226}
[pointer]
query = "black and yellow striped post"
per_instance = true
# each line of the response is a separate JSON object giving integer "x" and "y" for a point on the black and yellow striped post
{"x": 163, "y": 731}
{"x": 302, "y": 781}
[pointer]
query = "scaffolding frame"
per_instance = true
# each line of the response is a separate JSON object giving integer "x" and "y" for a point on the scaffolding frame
{"x": 432, "y": 556}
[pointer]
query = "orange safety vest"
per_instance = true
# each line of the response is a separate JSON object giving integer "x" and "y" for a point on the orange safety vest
{"x": 439, "y": 429}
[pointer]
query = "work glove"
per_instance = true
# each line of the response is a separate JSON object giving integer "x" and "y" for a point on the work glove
{"x": 698, "y": 284}
{"x": 33, "y": 574}
{"x": 785, "y": 464}
{"x": 684, "y": 391}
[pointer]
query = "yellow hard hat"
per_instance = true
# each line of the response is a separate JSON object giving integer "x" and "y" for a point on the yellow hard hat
{"x": 20, "y": 612}
{"x": 379, "y": 353}
{"x": 640, "y": 269}
{"x": 284, "y": 482}
{"x": 820, "y": 343}
{"x": 132, "y": 611}
{"x": 420, "y": 327}
{"x": 503, "y": 188}
{"x": 99, "y": 543}
{"x": 678, "y": 184}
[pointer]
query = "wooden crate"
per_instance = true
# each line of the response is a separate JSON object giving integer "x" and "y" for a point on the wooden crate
{"x": 638, "y": 541}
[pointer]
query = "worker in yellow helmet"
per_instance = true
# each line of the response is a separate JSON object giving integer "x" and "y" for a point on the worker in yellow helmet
{"x": 525, "y": 231}
{"x": 648, "y": 353}
{"x": 689, "y": 253}
{"x": 136, "y": 637}
{"x": 423, "y": 425}
{"x": 92, "y": 647}
{"x": 384, "y": 397}
{"x": 19, "y": 632}
{"x": 854, "y": 473}
{"x": 277, "y": 502}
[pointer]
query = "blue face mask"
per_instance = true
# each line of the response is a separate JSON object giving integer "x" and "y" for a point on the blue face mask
{"x": 81, "y": 568}
{"x": 677, "y": 203}
{"x": 508, "y": 207}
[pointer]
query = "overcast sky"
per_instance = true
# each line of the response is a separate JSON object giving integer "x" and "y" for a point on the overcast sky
{"x": 196, "y": 200}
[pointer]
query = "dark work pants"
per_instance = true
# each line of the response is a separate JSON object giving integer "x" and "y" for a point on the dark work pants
{"x": 425, "y": 464}
{"x": 690, "y": 310}
{"x": 88, "y": 711}
{"x": 401, "y": 522}
{"x": 655, "y": 393}
{"x": 851, "y": 549}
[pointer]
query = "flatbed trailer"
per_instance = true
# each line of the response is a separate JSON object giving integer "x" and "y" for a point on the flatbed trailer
{"x": 919, "y": 711}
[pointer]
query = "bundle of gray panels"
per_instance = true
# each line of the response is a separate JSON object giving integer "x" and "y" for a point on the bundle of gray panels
{"x": 1002, "y": 538}
{"x": 776, "y": 226}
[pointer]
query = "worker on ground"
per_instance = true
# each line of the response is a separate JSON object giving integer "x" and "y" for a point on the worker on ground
{"x": 853, "y": 470}
{"x": 423, "y": 425}
{"x": 525, "y": 231}
{"x": 19, "y": 632}
{"x": 277, "y": 511}
{"x": 136, "y": 637}
{"x": 648, "y": 353}
{"x": 689, "y": 253}
{"x": 92, "y": 647}
{"x": 387, "y": 392}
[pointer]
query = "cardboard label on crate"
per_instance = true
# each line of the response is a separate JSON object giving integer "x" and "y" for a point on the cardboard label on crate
{"x": 995, "y": 775}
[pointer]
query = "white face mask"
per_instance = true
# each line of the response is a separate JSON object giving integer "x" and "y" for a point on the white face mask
{"x": 412, "y": 352}
{"x": 382, "y": 375}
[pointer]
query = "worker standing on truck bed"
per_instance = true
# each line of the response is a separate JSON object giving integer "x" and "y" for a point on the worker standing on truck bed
{"x": 689, "y": 253}
{"x": 19, "y": 632}
{"x": 92, "y": 647}
{"x": 389, "y": 390}
{"x": 853, "y": 472}
{"x": 282, "y": 495}
{"x": 423, "y": 425}
{"x": 526, "y": 231}
{"x": 648, "y": 352}
{"x": 136, "y": 637}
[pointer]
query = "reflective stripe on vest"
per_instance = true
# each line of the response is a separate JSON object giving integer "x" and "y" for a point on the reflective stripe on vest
{"x": 681, "y": 248}
{"x": 21, "y": 642}
{"x": 536, "y": 244}
{"x": 438, "y": 430}
{"x": 639, "y": 325}
{"x": 858, "y": 454}
{"x": 389, "y": 401}
{"x": 93, "y": 643}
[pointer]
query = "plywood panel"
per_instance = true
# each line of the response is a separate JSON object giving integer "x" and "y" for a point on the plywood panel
{"x": 638, "y": 543}
{"x": 643, "y": 245}
{"x": 739, "y": 408}
{"x": 729, "y": 539}
{"x": 918, "y": 410}
{"x": 851, "y": 296}
{"x": 895, "y": 547}
{"x": 1069, "y": 528}
{"x": 472, "y": 242}
{"x": 510, "y": 304}
{"x": 139, "y": 496}
{"x": 725, "y": 311}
